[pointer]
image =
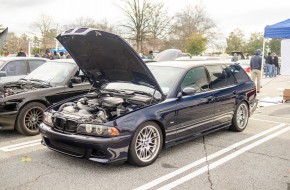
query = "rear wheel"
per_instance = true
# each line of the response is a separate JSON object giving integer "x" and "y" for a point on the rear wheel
{"x": 241, "y": 117}
{"x": 146, "y": 144}
{"x": 29, "y": 118}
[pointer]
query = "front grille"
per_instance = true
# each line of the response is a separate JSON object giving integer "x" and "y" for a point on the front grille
{"x": 66, "y": 148}
{"x": 64, "y": 125}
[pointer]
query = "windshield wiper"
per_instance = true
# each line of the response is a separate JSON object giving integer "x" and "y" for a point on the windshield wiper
{"x": 40, "y": 81}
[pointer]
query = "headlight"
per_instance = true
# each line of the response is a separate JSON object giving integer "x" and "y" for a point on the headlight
{"x": 47, "y": 119}
{"x": 97, "y": 130}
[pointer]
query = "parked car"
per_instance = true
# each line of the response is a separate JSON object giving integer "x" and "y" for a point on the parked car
{"x": 136, "y": 110}
{"x": 170, "y": 55}
{"x": 22, "y": 102}
{"x": 14, "y": 68}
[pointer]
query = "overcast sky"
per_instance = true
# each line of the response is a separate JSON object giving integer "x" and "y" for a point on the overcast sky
{"x": 248, "y": 15}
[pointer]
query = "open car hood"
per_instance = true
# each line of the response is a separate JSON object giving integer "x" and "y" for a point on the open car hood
{"x": 3, "y": 35}
{"x": 106, "y": 57}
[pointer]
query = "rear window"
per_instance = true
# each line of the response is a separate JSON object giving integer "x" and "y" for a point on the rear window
{"x": 219, "y": 77}
{"x": 239, "y": 73}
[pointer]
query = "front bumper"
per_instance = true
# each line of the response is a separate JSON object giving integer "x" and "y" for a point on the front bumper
{"x": 99, "y": 149}
{"x": 7, "y": 119}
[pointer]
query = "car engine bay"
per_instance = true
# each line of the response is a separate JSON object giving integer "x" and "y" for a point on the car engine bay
{"x": 101, "y": 107}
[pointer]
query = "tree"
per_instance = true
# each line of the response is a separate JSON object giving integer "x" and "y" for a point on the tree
{"x": 275, "y": 46}
{"x": 138, "y": 15}
{"x": 191, "y": 20}
{"x": 235, "y": 41}
{"x": 90, "y": 23}
{"x": 44, "y": 25}
{"x": 196, "y": 44}
{"x": 255, "y": 42}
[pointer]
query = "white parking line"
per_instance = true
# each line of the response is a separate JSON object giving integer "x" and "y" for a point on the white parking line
{"x": 210, "y": 157}
{"x": 20, "y": 145}
{"x": 222, "y": 160}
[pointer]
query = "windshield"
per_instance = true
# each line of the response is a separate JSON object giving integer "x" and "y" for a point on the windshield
{"x": 1, "y": 63}
{"x": 52, "y": 72}
{"x": 165, "y": 76}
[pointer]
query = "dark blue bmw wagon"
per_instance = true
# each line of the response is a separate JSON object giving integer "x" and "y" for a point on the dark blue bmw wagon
{"x": 134, "y": 110}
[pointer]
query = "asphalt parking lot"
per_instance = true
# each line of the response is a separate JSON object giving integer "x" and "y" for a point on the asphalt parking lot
{"x": 257, "y": 158}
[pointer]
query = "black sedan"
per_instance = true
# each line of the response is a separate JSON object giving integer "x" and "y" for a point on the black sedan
{"x": 22, "y": 102}
{"x": 136, "y": 110}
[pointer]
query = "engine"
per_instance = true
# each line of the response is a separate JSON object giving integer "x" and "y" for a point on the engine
{"x": 100, "y": 108}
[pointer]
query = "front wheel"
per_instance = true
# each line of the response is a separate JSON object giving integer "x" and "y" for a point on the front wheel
{"x": 241, "y": 117}
{"x": 29, "y": 118}
{"x": 146, "y": 144}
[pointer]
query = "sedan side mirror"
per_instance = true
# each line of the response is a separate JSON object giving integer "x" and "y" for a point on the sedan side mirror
{"x": 3, "y": 74}
{"x": 76, "y": 80}
{"x": 70, "y": 84}
{"x": 188, "y": 91}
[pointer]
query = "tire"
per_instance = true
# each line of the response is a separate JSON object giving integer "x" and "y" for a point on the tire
{"x": 241, "y": 117}
{"x": 29, "y": 118}
{"x": 144, "y": 150}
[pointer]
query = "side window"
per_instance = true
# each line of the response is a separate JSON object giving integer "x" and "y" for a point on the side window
{"x": 15, "y": 68}
{"x": 196, "y": 78}
{"x": 219, "y": 77}
{"x": 34, "y": 64}
{"x": 239, "y": 73}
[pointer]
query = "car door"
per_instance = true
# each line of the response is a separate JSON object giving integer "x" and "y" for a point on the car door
{"x": 194, "y": 112}
{"x": 225, "y": 93}
{"x": 14, "y": 70}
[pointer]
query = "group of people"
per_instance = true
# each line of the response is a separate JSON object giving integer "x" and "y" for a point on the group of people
{"x": 55, "y": 55}
{"x": 272, "y": 65}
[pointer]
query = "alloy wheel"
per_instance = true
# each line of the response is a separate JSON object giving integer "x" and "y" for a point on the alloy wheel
{"x": 33, "y": 118}
{"x": 147, "y": 143}
{"x": 242, "y": 116}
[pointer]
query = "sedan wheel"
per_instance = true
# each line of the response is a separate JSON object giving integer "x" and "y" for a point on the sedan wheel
{"x": 146, "y": 144}
{"x": 241, "y": 117}
{"x": 29, "y": 118}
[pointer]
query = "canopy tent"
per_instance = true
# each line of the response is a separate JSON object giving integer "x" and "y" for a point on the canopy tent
{"x": 280, "y": 30}
{"x": 58, "y": 50}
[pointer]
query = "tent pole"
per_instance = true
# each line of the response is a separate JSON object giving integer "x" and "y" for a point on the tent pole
{"x": 263, "y": 59}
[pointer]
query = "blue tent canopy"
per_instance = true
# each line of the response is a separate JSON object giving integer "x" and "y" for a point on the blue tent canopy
{"x": 58, "y": 50}
{"x": 278, "y": 30}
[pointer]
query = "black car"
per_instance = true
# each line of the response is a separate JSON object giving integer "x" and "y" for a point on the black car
{"x": 136, "y": 110}
{"x": 22, "y": 102}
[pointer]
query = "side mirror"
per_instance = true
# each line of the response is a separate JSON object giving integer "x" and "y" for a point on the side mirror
{"x": 3, "y": 74}
{"x": 76, "y": 80}
{"x": 189, "y": 91}
{"x": 70, "y": 84}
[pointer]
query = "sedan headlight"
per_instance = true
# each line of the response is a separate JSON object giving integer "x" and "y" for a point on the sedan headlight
{"x": 47, "y": 119}
{"x": 97, "y": 130}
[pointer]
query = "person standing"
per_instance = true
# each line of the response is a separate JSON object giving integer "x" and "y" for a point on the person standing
{"x": 235, "y": 58}
{"x": 21, "y": 53}
{"x": 256, "y": 65}
{"x": 275, "y": 64}
{"x": 269, "y": 63}
{"x": 55, "y": 55}
{"x": 150, "y": 55}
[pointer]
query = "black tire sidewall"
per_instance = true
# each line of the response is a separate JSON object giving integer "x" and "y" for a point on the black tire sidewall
{"x": 132, "y": 156}
{"x": 20, "y": 124}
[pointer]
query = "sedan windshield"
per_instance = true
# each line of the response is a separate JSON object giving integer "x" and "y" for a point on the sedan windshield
{"x": 52, "y": 72}
{"x": 165, "y": 76}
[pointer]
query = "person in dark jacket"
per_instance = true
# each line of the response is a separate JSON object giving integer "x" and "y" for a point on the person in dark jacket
{"x": 275, "y": 64}
{"x": 269, "y": 62}
{"x": 256, "y": 65}
{"x": 21, "y": 53}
